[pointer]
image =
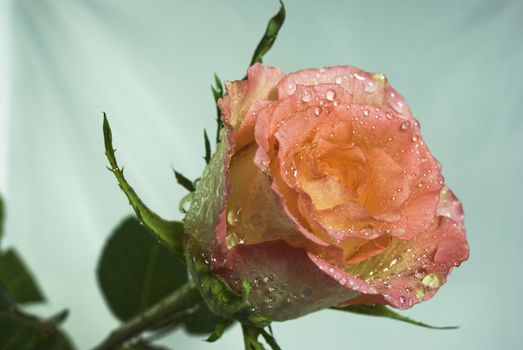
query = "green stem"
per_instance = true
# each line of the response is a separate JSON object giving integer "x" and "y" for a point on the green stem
{"x": 180, "y": 300}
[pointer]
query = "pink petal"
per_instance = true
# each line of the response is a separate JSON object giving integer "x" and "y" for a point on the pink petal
{"x": 285, "y": 284}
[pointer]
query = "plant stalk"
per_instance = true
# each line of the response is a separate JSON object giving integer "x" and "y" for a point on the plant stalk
{"x": 180, "y": 300}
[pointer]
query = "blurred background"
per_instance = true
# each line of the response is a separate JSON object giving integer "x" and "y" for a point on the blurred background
{"x": 149, "y": 65}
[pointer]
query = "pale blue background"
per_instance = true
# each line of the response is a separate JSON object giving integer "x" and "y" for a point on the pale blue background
{"x": 149, "y": 64}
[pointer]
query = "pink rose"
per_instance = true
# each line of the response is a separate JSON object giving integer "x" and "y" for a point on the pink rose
{"x": 323, "y": 193}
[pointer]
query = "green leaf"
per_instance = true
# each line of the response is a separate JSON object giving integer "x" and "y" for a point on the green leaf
{"x": 184, "y": 181}
{"x": 219, "y": 330}
{"x": 169, "y": 233}
{"x": 20, "y": 331}
{"x": 6, "y": 301}
{"x": 383, "y": 311}
{"x": 141, "y": 345}
{"x": 2, "y": 217}
{"x": 17, "y": 279}
{"x": 135, "y": 272}
{"x": 207, "y": 156}
{"x": 201, "y": 321}
{"x": 270, "y": 35}
{"x": 217, "y": 93}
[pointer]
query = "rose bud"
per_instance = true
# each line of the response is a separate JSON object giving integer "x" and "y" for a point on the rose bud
{"x": 322, "y": 193}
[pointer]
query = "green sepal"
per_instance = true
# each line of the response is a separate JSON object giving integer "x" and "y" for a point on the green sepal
{"x": 383, "y": 311}
{"x": 269, "y": 338}
{"x": 207, "y": 143}
{"x": 217, "y": 93}
{"x": 169, "y": 233}
{"x": 221, "y": 299}
{"x": 184, "y": 181}
{"x": 219, "y": 330}
{"x": 269, "y": 37}
{"x": 251, "y": 335}
{"x": 17, "y": 279}
{"x": 135, "y": 272}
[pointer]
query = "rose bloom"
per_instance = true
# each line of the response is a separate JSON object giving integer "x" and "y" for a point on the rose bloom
{"x": 322, "y": 193}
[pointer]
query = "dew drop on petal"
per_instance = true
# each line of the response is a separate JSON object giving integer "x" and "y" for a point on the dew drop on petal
{"x": 432, "y": 280}
{"x": 359, "y": 77}
{"x": 420, "y": 273}
{"x": 317, "y": 111}
{"x": 420, "y": 293}
{"x": 405, "y": 126}
{"x": 369, "y": 86}
{"x": 306, "y": 96}
{"x": 233, "y": 216}
{"x": 330, "y": 95}
{"x": 338, "y": 80}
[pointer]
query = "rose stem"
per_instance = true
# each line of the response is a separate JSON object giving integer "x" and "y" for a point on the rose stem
{"x": 180, "y": 300}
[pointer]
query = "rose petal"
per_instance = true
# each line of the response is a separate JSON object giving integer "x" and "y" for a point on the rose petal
{"x": 285, "y": 283}
{"x": 260, "y": 85}
{"x": 366, "y": 88}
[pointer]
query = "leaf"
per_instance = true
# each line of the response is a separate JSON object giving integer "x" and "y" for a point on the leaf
{"x": 270, "y": 35}
{"x": 135, "y": 272}
{"x": 17, "y": 279}
{"x": 169, "y": 233}
{"x": 141, "y": 345}
{"x": 201, "y": 321}
{"x": 219, "y": 330}
{"x": 184, "y": 181}
{"x": 217, "y": 93}
{"x": 2, "y": 218}
{"x": 207, "y": 156}
{"x": 383, "y": 311}
{"x": 20, "y": 331}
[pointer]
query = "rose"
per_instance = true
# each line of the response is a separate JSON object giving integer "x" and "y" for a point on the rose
{"x": 323, "y": 193}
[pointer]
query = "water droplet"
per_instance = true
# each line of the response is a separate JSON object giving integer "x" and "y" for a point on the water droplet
{"x": 366, "y": 112}
{"x": 306, "y": 292}
{"x": 420, "y": 273}
{"x": 432, "y": 280}
{"x": 338, "y": 80}
{"x": 359, "y": 77}
{"x": 233, "y": 216}
{"x": 402, "y": 299}
{"x": 330, "y": 95}
{"x": 414, "y": 138}
{"x": 232, "y": 240}
{"x": 369, "y": 86}
{"x": 405, "y": 126}
{"x": 420, "y": 293}
{"x": 257, "y": 221}
{"x": 378, "y": 76}
{"x": 317, "y": 111}
{"x": 396, "y": 103}
{"x": 306, "y": 96}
